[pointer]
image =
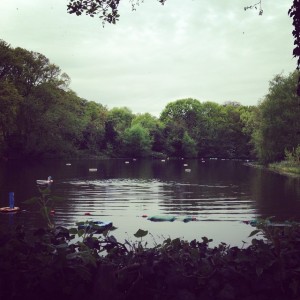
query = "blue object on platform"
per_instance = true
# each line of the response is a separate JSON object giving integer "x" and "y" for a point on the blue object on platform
{"x": 11, "y": 199}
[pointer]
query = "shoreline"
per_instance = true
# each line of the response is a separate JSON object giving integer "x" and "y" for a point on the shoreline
{"x": 282, "y": 168}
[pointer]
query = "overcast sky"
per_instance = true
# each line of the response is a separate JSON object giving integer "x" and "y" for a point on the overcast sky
{"x": 210, "y": 50}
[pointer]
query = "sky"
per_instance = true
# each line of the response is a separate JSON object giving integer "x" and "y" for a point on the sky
{"x": 210, "y": 50}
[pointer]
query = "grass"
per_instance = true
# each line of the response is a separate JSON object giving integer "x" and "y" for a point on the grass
{"x": 286, "y": 167}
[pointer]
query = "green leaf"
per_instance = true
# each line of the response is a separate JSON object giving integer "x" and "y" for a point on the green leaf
{"x": 254, "y": 232}
{"x": 73, "y": 231}
{"x": 57, "y": 198}
{"x": 31, "y": 200}
{"x": 141, "y": 233}
{"x": 45, "y": 191}
{"x": 81, "y": 232}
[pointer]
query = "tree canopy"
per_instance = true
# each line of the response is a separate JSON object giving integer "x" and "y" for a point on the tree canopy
{"x": 41, "y": 117}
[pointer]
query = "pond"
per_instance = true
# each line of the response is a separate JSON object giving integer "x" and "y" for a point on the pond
{"x": 220, "y": 194}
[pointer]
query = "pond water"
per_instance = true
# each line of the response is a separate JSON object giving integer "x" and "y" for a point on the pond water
{"x": 220, "y": 194}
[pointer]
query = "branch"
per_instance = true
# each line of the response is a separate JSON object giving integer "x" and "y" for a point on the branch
{"x": 255, "y": 6}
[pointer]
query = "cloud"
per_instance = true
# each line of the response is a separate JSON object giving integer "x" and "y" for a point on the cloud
{"x": 209, "y": 50}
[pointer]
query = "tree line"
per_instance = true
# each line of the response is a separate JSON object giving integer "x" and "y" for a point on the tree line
{"x": 41, "y": 117}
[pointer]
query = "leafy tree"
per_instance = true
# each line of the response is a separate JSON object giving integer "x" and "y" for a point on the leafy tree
{"x": 10, "y": 101}
{"x": 234, "y": 140}
{"x": 28, "y": 69}
{"x": 146, "y": 120}
{"x": 6, "y": 59}
{"x": 52, "y": 127}
{"x": 94, "y": 119}
{"x": 185, "y": 113}
{"x": 278, "y": 119}
{"x": 294, "y": 13}
{"x": 121, "y": 118}
{"x": 155, "y": 127}
{"x": 213, "y": 119}
{"x": 188, "y": 146}
{"x": 118, "y": 120}
{"x": 137, "y": 141}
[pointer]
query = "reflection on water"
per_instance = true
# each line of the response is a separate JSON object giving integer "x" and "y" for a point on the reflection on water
{"x": 220, "y": 194}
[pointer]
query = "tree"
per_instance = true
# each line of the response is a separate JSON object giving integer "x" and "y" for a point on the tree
{"x": 118, "y": 120}
{"x": 50, "y": 122}
{"x": 10, "y": 101}
{"x": 294, "y": 13}
{"x": 28, "y": 69}
{"x": 6, "y": 59}
{"x": 94, "y": 118}
{"x": 184, "y": 112}
{"x": 188, "y": 146}
{"x": 277, "y": 120}
{"x": 137, "y": 141}
{"x": 146, "y": 120}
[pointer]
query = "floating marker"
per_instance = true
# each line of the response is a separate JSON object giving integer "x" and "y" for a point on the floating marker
{"x": 187, "y": 170}
{"x": 185, "y": 165}
{"x": 163, "y": 160}
{"x": 126, "y": 162}
{"x": 11, "y": 208}
{"x": 68, "y": 164}
{"x": 93, "y": 170}
{"x": 11, "y": 199}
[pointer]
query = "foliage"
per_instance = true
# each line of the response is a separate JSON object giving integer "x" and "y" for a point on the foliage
{"x": 10, "y": 101}
{"x": 277, "y": 124}
{"x": 285, "y": 167}
{"x": 53, "y": 263}
{"x": 137, "y": 141}
{"x": 46, "y": 202}
{"x": 293, "y": 156}
{"x": 256, "y": 5}
{"x": 294, "y": 13}
{"x": 36, "y": 102}
{"x": 72, "y": 263}
{"x": 291, "y": 164}
{"x": 108, "y": 10}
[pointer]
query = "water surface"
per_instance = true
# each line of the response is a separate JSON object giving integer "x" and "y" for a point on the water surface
{"x": 220, "y": 194}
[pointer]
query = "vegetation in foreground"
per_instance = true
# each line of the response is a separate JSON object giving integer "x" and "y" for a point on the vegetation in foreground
{"x": 49, "y": 265}
{"x": 72, "y": 263}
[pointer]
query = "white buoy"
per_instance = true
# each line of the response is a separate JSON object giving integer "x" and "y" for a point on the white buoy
{"x": 93, "y": 170}
{"x": 188, "y": 170}
{"x": 185, "y": 165}
{"x": 163, "y": 160}
{"x": 126, "y": 162}
{"x": 68, "y": 164}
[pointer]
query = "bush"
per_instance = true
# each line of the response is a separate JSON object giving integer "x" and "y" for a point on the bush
{"x": 51, "y": 263}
